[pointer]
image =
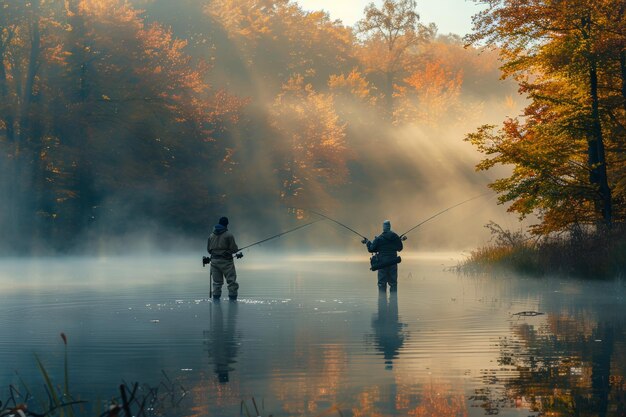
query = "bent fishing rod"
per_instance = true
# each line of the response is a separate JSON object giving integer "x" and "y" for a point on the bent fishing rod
{"x": 280, "y": 234}
{"x": 239, "y": 255}
{"x": 403, "y": 235}
{"x": 336, "y": 221}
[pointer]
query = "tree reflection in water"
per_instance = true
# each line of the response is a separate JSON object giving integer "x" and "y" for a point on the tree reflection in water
{"x": 565, "y": 366}
{"x": 325, "y": 385}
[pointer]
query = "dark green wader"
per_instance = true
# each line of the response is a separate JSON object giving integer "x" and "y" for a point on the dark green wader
{"x": 388, "y": 275}
{"x": 220, "y": 269}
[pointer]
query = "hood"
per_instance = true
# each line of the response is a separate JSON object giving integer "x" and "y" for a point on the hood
{"x": 218, "y": 229}
{"x": 387, "y": 235}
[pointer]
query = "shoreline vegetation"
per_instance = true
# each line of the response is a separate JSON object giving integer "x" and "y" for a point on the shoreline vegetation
{"x": 579, "y": 253}
{"x": 564, "y": 154}
{"x": 57, "y": 399}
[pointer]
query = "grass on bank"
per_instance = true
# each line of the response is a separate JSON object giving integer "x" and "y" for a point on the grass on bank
{"x": 134, "y": 400}
{"x": 578, "y": 253}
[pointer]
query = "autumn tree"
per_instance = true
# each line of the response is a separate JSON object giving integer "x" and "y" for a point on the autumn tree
{"x": 109, "y": 118}
{"x": 118, "y": 117}
{"x": 310, "y": 144}
{"x": 431, "y": 93}
{"x": 389, "y": 34}
{"x": 451, "y": 84}
{"x": 277, "y": 39}
{"x": 354, "y": 98}
{"x": 23, "y": 48}
{"x": 564, "y": 55}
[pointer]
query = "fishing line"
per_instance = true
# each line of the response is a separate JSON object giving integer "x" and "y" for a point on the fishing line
{"x": 336, "y": 221}
{"x": 207, "y": 259}
{"x": 280, "y": 234}
{"x": 443, "y": 211}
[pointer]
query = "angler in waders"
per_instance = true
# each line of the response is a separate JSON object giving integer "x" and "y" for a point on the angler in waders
{"x": 221, "y": 246}
{"x": 385, "y": 247}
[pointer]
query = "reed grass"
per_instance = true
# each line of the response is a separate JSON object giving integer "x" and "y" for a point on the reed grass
{"x": 581, "y": 253}
{"x": 134, "y": 400}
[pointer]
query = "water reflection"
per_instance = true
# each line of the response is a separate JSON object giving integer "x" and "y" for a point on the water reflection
{"x": 389, "y": 334}
{"x": 566, "y": 366}
{"x": 222, "y": 339}
{"x": 314, "y": 342}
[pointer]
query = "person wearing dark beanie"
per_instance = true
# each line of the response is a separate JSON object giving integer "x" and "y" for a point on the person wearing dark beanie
{"x": 221, "y": 246}
{"x": 386, "y": 247}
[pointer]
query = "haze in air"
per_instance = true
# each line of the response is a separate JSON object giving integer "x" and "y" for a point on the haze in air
{"x": 141, "y": 123}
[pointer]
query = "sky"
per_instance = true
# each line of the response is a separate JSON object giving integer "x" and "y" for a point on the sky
{"x": 451, "y": 16}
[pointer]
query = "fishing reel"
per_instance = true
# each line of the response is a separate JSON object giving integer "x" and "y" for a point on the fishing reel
{"x": 403, "y": 238}
{"x": 207, "y": 259}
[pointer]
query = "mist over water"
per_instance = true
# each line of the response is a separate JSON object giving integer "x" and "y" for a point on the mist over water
{"x": 127, "y": 129}
{"x": 309, "y": 332}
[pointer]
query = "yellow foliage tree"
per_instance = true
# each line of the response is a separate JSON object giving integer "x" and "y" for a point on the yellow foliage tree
{"x": 310, "y": 144}
{"x": 431, "y": 93}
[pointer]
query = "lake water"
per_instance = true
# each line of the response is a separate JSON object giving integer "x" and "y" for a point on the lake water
{"x": 311, "y": 334}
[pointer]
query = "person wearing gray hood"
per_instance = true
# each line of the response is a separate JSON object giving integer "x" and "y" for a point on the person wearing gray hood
{"x": 386, "y": 245}
{"x": 221, "y": 246}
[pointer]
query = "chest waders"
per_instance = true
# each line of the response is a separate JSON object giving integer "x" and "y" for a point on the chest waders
{"x": 206, "y": 260}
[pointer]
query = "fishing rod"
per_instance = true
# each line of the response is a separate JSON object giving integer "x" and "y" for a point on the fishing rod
{"x": 335, "y": 221}
{"x": 403, "y": 235}
{"x": 239, "y": 255}
{"x": 278, "y": 235}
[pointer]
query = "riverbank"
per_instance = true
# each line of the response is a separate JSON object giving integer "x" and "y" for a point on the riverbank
{"x": 589, "y": 255}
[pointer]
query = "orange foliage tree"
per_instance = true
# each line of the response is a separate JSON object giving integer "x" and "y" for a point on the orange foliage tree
{"x": 116, "y": 110}
{"x": 311, "y": 148}
{"x": 390, "y": 33}
{"x": 430, "y": 93}
{"x": 566, "y": 150}
{"x": 278, "y": 39}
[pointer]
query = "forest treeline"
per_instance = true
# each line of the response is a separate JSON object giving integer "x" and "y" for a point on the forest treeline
{"x": 118, "y": 115}
{"x": 121, "y": 115}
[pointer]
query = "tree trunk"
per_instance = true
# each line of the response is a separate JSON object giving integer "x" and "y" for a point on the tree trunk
{"x": 596, "y": 149}
{"x": 21, "y": 211}
{"x": 389, "y": 94}
{"x": 7, "y": 115}
{"x": 77, "y": 211}
{"x": 595, "y": 142}
{"x": 33, "y": 66}
{"x": 622, "y": 61}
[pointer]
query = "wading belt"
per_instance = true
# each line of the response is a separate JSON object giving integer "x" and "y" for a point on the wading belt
{"x": 224, "y": 256}
{"x": 377, "y": 262}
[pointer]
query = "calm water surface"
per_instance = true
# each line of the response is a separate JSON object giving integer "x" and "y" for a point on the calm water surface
{"x": 310, "y": 333}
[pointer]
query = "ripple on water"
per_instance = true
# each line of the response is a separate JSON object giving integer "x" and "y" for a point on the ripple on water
{"x": 315, "y": 334}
